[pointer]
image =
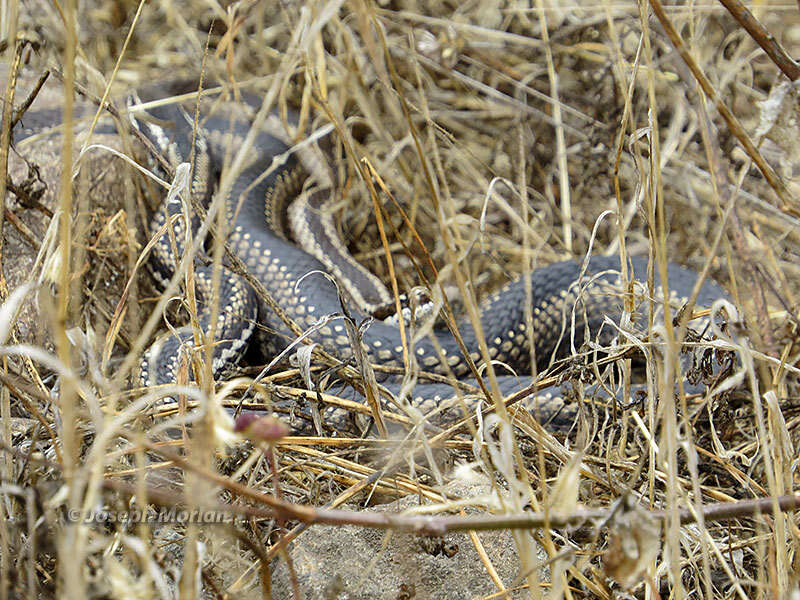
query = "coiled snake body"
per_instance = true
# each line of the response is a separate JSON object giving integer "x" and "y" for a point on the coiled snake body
{"x": 568, "y": 301}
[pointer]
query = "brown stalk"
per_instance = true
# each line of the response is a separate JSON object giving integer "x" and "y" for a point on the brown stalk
{"x": 440, "y": 525}
{"x": 763, "y": 38}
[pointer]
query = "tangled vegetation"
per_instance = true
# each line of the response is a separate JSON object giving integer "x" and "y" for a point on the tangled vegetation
{"x": 510, "y": 135}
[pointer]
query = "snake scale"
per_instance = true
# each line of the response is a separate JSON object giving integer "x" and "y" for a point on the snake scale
{"x": 569, "y": 302}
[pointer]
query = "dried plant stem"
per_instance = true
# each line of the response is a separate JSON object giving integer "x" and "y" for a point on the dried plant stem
{"x": 440, "y": 525}
{"x": 73, "y": 545}
{"x": 26, "y": 104}
{"x": 561, "y": 146}
{"x": 5, "y": 142}
{"x": 763, "y": 38}
{"x": 654, "y": 201}
{"x": 7, "y": 465}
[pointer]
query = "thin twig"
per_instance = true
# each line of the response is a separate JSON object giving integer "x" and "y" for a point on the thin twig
{"x": 440, "y": 525}
{"x": 5, "y": 142}
{"x": 26, "y": 104}
{"x": 763, "y": 38}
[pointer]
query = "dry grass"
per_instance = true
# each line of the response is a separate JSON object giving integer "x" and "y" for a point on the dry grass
{"x": 459, "y": 108}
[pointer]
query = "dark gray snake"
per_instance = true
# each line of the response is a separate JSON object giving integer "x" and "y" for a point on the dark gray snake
{"x": 569, "y": 301}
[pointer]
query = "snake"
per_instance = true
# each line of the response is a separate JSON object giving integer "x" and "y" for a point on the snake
{"x": 283, "y": 233}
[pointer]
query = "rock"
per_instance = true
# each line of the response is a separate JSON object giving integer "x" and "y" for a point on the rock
{"x": 35, "y": 164}
{"x": 354, "y": 563}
